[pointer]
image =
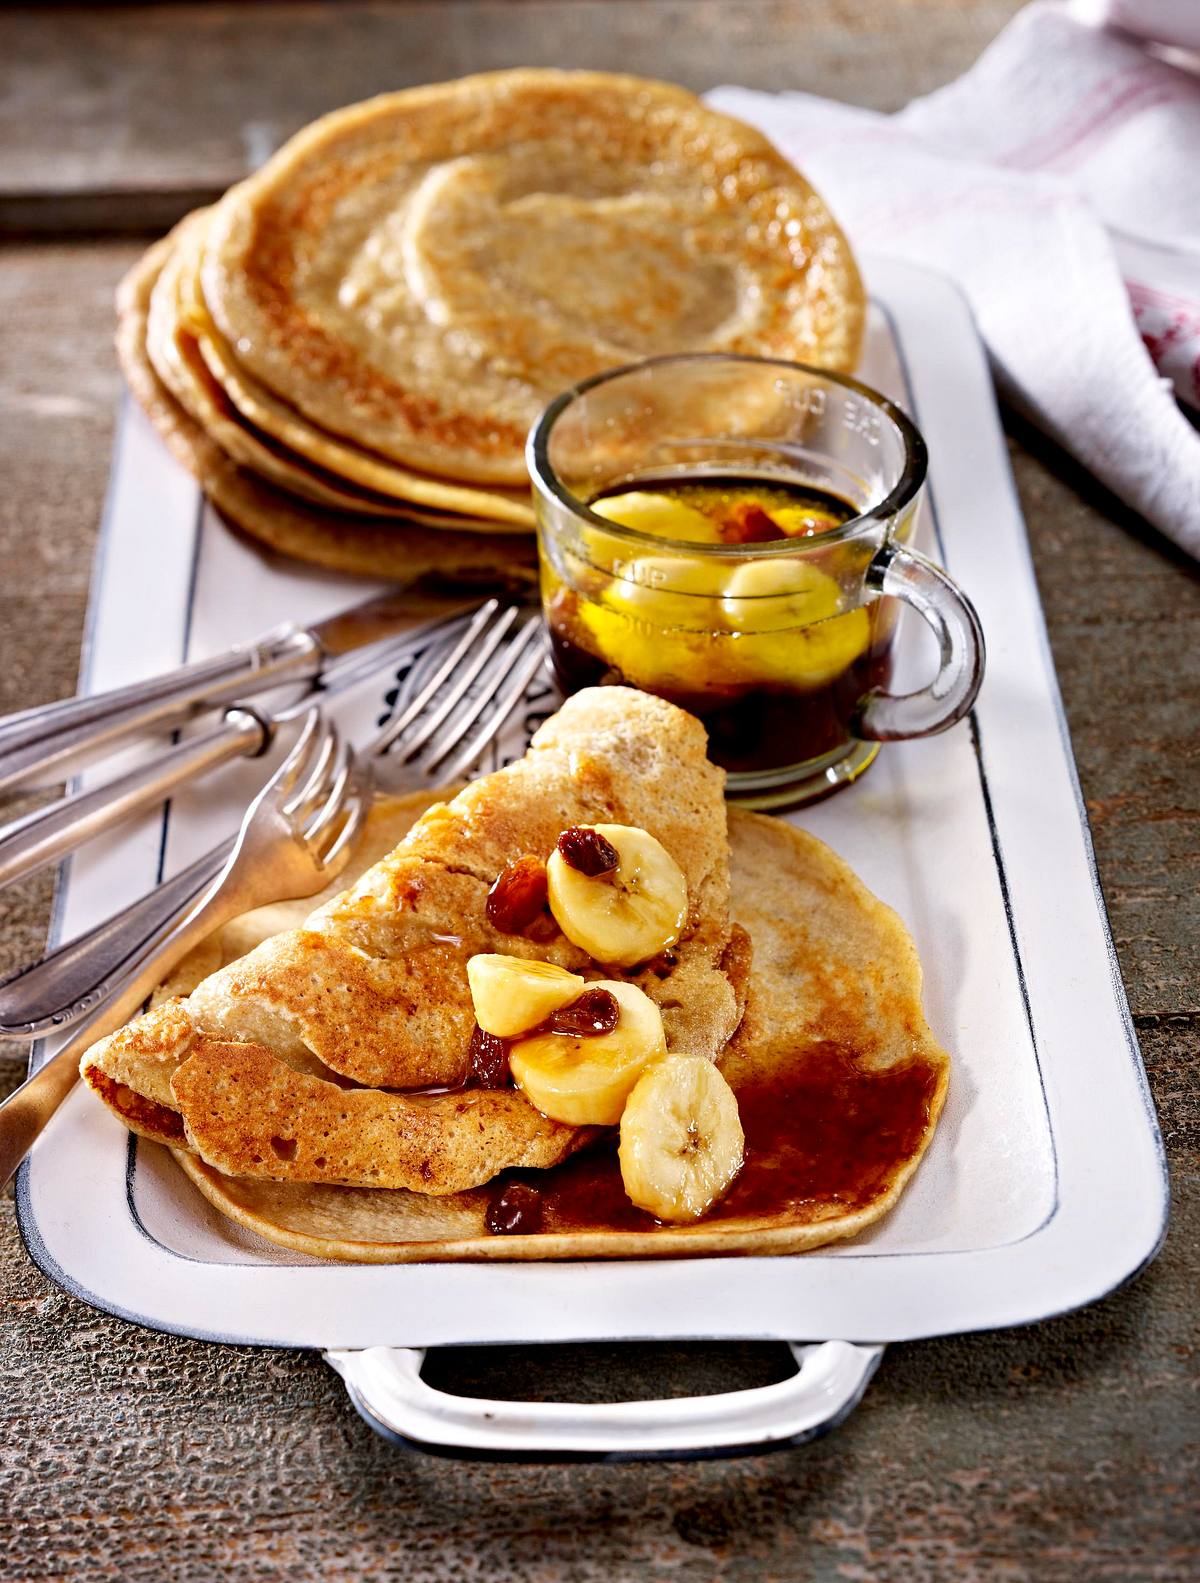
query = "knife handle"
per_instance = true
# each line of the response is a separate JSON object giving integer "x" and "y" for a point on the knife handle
{"x": 49, "y": 833}
{"x": 42, "y": 746}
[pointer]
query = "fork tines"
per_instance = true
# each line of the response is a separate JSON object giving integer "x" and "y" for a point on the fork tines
{"x": 462, "y": 691}
{"x": 324, "y": 789}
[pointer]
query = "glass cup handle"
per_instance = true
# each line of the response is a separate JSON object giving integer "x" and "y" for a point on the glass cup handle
{"x": 890, "y": 717}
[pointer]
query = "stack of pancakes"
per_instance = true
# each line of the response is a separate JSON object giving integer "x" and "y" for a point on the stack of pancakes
{"x": 313, "y": 1075}
{"x": 349, "y": 349}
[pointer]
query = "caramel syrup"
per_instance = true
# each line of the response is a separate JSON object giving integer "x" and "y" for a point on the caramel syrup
{"x": 822, "y": 1135}
{"x": 139, "y": 1111}
{"x": 750, "y": 729}
{"x": 740, "y": 506}
{"x": 753, "y": 726}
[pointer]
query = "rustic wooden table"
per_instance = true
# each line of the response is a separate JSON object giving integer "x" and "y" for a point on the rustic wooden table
{"x": 1060, "y": 1451}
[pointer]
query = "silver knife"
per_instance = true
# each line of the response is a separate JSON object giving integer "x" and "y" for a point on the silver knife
{"x": 243, "y": 730}
{"x": 39, "y": 747}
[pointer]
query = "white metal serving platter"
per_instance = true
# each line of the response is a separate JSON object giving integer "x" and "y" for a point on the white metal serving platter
{"x": 1045, "y": 1185}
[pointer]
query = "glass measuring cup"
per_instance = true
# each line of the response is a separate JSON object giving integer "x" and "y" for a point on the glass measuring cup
{"x": 785, "y": 649}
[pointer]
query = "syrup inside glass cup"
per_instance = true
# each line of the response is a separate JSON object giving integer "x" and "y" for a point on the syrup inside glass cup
{"x": 768, "y": 654}
{"x": 732, "y": 533}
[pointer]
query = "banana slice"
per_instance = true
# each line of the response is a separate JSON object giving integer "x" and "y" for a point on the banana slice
{"x": 512, "y": 995}
{"x": 658, "y": 514}
{"x": 586, "y": 1081}
{"x": 646, "y": 649}
{"x": 625, "y": 916}
{"x": 681, "y": 1138}
{"x": 805, "y": 658}
{"x": 670, "y": 591}
{"x": 787, "y": 627}
{"x": 772, "y": 595}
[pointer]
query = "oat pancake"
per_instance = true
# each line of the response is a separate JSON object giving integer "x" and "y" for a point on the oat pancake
{"x": 839, "y": 1081}
{"x": 175, "y": 354}
{"x": 276, "y": 423}
{"x": 422, "y": 272}
{"x": 372, "y": 992}
{"x": 834, "y": 1020}
{"x": 342, "y": 541}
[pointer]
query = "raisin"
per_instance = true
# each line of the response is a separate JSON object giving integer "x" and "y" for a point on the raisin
{"x": 588, "y": 851}
{"x": 488, "y": 1057}
{"x": 595, "y": 1012}
{"x": 748, "y": 523}
{"x": 518, "y": 897}
{"x": 517, "y": 1209}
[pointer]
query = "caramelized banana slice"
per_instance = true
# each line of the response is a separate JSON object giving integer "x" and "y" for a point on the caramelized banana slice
{"x": 585, "y": 1080}
{"x": 658, "y": 514}
{"x": 670, "y": 591}
{"x": 681, "y": 1138}
{"x": 767, "y": 595}
{"x": 512, "y": 995}
{"x": 802, "y": 522}
{"x": 629, "y": 913}
{"x": 789, "y": 628}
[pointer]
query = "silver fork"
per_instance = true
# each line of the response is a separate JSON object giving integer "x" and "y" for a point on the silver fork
{"x": 296, "y": 836}
{"x": 456, "y": 699}
{"x": 244, "y": 730}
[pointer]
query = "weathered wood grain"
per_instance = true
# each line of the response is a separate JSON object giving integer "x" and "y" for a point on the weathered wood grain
{"x": 58, "y": 392}
{"x": 1042, "y": 1455}
{"x": 1123, "y": 610}
{"x": 187, "y": 101}
{"x": 1064, "y": 1451}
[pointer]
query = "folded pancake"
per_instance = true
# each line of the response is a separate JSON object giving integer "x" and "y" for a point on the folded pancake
{"x": 421, "y": 273}
{"x": 281, "y": 1062}
{"x": 132, "y": 1070}
{"x": 343, "y": 541}
{"x": 839, "y": 1082}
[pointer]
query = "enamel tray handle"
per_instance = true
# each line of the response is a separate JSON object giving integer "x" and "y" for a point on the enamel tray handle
{"x": 386, "y": 1388}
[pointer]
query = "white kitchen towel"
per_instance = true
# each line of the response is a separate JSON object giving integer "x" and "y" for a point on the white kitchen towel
{"x": 1066, "y": 154}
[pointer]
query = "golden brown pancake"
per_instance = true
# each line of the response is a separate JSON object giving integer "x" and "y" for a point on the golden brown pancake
{"x": 834, "y": 1042}
{"x": 373, "y": 993}
{"x": 134, "y": 1074}
{"x": 174, "y": 348}
{"x": 341, "y": 541}
{"x": 308, "y": 448}
{"x": 839, "y": 1082}
{"x": 178, "y": 364}
{"x": 423, "y": 272}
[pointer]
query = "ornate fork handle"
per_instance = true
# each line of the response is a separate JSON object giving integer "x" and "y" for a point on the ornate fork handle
{"x": 238, "y": 887}
{"x": 53, "y": 994}
{"x": 293, "y": 840}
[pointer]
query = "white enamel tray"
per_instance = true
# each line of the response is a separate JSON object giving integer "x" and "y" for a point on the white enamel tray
{"x": 1044, "y": 1188}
